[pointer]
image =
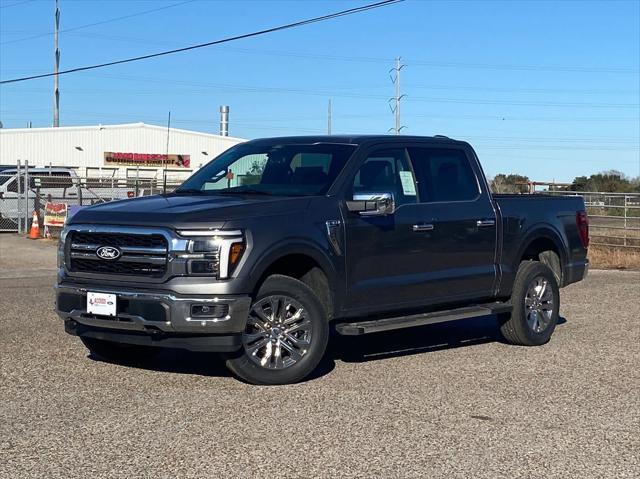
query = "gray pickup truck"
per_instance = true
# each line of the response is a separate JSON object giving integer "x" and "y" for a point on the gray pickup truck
{"x": 275, "y": 243}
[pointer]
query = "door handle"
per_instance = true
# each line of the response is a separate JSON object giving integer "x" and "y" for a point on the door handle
{"x": 422, "y": 227}
{"x": 485, "y": 223}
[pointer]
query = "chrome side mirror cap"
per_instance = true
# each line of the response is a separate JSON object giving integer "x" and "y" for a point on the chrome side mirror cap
{"x": 372, "y": 204}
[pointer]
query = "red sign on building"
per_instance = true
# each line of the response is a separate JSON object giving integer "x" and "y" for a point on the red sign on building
{"x": 147, "y": 159}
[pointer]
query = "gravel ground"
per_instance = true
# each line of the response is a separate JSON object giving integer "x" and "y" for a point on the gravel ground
{"x": 437, "y": 401}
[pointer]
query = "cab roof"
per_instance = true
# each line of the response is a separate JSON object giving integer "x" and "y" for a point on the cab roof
{"x": 357, "y": 139}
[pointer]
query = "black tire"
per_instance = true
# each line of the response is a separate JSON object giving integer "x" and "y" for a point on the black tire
{"x": 119, "y": 353}
{"x": 246, "y": 366}
{"x": 515, "y": 327}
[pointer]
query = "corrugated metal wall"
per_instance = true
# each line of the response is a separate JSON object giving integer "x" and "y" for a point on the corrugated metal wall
{"x": 84, "y": 147}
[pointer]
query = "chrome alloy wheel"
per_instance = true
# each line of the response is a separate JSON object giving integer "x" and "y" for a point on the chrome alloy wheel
{"x": 278, "y": 332}
{"x": 538, "y": 304}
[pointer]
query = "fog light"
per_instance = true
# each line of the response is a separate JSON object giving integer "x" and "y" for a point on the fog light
{"x": 203, "y": 266}
{"x": 209, "y": 310}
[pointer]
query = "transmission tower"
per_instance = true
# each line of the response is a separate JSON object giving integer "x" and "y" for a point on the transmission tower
{"x": 394, "y": 103}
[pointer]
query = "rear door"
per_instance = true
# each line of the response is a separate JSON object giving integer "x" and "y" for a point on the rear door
{"x": 461, "y": 251}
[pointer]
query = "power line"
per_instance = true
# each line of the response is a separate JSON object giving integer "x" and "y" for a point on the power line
{"x": 527, "y": 90}
{"x": 102, "y": 22}
{"x": 333, "y": 93}
{"x": 287, "y": 26}
{"x": 442, "y": 64}
{"x": 417, "y": 62}
{"x": 15, "y": 4}
{"x": 270, "y": 120}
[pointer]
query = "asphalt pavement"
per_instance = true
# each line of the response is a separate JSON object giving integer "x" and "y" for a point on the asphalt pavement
{"x": 447, "y": 400}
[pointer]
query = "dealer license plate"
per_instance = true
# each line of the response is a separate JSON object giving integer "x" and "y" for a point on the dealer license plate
{"x": 101, "y": 303}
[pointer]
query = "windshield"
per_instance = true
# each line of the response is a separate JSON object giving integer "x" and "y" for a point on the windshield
{"x": 271, "y": 169}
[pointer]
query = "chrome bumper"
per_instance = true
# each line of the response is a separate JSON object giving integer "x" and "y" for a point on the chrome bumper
{"x": 154, "y": 311}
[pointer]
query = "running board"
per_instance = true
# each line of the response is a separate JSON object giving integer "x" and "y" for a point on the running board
{"x": 399, "y": 322}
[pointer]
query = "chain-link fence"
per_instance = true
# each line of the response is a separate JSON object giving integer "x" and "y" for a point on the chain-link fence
{"x": 25, "y": 190}
{"x": 614, "y": 218}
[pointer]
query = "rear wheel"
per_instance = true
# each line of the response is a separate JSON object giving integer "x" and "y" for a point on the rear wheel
{"x": 118, "y": 352}
{"x": 536, "y": 306}
{"x": 286, "y": 334}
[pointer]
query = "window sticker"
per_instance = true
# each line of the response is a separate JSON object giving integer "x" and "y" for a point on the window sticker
{"x": 408, "y": 185}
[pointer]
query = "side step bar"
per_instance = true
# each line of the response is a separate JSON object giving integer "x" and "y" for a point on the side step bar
{"x": 399, "y": 322}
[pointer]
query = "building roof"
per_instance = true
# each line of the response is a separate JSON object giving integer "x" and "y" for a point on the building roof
{"x": 121, "y": 126}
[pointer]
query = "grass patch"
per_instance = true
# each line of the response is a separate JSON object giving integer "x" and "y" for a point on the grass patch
{"x": 607, "y": 257}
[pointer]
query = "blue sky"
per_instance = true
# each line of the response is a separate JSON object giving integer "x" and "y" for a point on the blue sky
{"x": 546, "y": 89}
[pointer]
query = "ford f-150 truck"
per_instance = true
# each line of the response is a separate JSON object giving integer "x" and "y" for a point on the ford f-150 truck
{"x": 264, "y": 250}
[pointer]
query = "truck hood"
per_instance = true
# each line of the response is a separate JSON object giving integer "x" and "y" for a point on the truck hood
{"x": 181, "y": 211}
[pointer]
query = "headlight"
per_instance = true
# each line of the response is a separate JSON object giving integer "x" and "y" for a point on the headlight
{"x": 213, "y": 253}
{"x": 60, "y": 254}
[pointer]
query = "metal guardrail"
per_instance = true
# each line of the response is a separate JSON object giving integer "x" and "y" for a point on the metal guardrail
{"x": 614, "y": 218}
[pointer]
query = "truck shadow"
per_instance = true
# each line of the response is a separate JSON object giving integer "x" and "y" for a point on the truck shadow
{"x": 418, "y": 340}
{"x": 178, "y": 361}
{"x": 351, "y": 349}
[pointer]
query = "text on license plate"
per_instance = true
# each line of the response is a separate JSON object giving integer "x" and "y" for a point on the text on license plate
{"x": 101, "y": 303}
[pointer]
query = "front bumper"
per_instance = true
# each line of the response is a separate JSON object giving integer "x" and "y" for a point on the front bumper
{"x": 200, "y": 342}
{"x": 158, "y": 315}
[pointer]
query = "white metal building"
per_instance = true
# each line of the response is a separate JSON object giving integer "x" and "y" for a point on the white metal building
{"x": 121, "y": 151}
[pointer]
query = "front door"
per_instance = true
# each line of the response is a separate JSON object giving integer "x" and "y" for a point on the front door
{"x": 384, "y": 255}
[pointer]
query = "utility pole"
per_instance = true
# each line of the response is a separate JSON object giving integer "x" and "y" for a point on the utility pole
{"x": 395, "y": 109}
{"x": 329, "y": 118}
{"x": 56, "y": 66}
{"x": 164, "y": 169}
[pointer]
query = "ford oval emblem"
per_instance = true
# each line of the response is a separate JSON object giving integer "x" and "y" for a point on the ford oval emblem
{"x": 108, "y": 252}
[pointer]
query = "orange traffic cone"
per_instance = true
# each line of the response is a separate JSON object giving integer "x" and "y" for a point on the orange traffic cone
{"x": 34, "y": 232}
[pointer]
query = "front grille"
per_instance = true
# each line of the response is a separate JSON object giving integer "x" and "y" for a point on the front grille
{"x": 120, "y": 239}
{"x": 114, "y": 267}
{"x": 140, "y": 254}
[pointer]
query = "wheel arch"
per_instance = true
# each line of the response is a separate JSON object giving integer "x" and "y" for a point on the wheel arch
{"x": 540, "y": 239}
{"x": 303, "y": 261}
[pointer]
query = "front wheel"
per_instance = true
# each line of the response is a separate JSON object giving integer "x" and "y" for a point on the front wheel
{"x": 286, "y": 334}
{"x": 536, "y": 306}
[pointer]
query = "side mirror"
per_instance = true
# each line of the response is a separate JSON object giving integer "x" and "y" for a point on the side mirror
{"x": 372, "y": 204}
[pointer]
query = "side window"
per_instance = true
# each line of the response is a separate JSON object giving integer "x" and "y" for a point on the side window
{"x": 444, "y": 175}
{"x": 13, "y": 186}
{"x": 387, "y": 171}
{"x": 54, "y": 180}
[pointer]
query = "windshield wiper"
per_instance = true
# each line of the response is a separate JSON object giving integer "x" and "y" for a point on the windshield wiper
{"x": 251, "y": 191}
{"x": 189, "y": 191}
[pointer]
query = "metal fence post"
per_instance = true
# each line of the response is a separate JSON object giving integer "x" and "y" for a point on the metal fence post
{"x": 26, "y": 195}
{"x": 79, "y": 186}
{"x": 625, "y": 220}
{"x": 19, "y": 198}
